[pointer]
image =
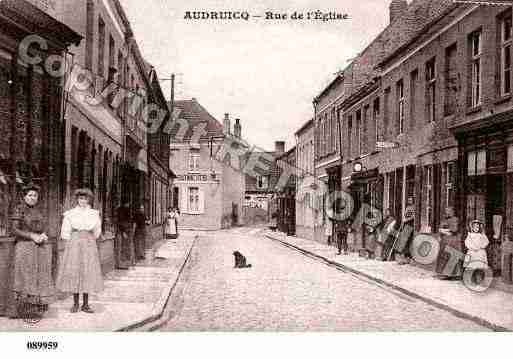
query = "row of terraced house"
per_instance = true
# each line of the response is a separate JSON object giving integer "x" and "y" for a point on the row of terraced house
{"x": 424, "y": 114}
{"x": 77, "y": 118}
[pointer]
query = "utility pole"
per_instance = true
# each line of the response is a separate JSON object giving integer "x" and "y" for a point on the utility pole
{"x": 172, "y": 100}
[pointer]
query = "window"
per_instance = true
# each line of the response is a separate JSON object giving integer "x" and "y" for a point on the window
{"x": 431, "y": 90}
{"x": 414, "y": 82}
{"x": 359, "y": 130}
{"x": 349, "y": 134}
{"x": 89, "y": 35}
{"x": 429, "y": 196}
{"x": 194, "y": 159}
{"x": 365, "y": 128}
{"x": 262, "y": 182}
{"x": 338, "y": 124}
{"x": 505, "y": 55}
{"x": 475, "y": 63}
{"x": 323, "y": 139}
{"x": 327, "y": 121}
{"x": 386, "y": 112}
{"x": 193, "y": 200}
{"x": 476, "y": 163}
{"x": 375, "y": 116}
{"x": 101, "y": 47}
{"x": 451, "y": 81}
{"x": 449, "y": 175}
{"x": 111, "y": 69}
{"x": 400, "y": 106}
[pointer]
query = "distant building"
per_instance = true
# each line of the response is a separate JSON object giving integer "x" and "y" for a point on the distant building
{"x": 208, "y": 191}
{"x": 260, "y": 195}
{"x": 305, "y": 179}
{"x": 286, "y": 194}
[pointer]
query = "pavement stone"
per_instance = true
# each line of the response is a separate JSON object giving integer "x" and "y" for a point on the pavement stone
{"x": 287, "y": 291}
{"x": 130, "y": 297}
{"x": 493, "y": 306}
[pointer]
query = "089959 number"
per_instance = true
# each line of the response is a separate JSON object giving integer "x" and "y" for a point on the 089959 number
{"x": 42, "y": 345}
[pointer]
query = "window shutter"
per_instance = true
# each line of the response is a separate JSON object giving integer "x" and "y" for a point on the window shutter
{"x": 201, "y": 204}
{"x": 185, "y": 200}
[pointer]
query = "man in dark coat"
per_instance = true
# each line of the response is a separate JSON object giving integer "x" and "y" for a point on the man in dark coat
{"x": 125, "y": 236}
{"x": 140, "y": 233}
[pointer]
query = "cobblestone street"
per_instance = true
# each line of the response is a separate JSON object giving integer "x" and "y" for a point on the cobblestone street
{"x": 287, "y": 291}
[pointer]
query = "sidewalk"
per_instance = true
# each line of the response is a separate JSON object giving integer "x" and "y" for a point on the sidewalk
{"x": 131, "y": 297}
{"x": 493, "y": 308}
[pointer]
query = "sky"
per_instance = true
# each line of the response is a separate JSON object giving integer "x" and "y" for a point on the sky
{"x": 265, "y": 72}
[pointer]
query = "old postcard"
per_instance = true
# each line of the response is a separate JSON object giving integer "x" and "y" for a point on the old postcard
{"x": 268, "y": 166}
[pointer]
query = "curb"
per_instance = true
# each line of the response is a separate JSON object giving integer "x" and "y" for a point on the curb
{"x": 344, "y": 268}
{"x": 163, "y": 301}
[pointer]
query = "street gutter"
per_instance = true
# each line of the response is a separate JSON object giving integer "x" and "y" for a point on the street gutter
{"x": 344, "y": 268}
{"x": 164, "y": 300}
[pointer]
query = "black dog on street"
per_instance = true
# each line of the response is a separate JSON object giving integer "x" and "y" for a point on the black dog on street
{"x": 240, "y": 260}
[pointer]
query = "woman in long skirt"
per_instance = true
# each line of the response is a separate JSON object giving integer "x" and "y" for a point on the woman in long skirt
{"x": 33, "y": 284}
{"x": 171, "y": 226}
{"x": 476, "y": 258}
{"x": 80, "y": 271}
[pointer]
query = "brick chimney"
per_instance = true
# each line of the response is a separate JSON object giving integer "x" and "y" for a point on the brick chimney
{"x": 397, "y": 8}
{"x": 226, "y": 124}
{"x": 237, "y": 128}
{"x": 279, "y": 147}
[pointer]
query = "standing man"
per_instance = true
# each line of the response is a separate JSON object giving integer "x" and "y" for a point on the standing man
{"x": 140, "y": 233}
{"x": 124, "y": 237}
{"x": 341, "y": 235}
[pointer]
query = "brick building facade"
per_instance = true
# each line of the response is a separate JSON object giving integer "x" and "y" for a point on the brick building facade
{"x": 31, "y": 122}
{"x": 286, "y": 195}
{"x": 426, "y": 116}
{"x": 306, "y": 211}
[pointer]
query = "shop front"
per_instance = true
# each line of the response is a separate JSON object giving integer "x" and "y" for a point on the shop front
{"x": 366, "y": 188}
{"x": 486, "y": 188}
{"x": 287, "y": 212}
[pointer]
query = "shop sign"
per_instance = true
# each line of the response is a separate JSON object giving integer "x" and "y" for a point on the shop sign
{"x": 193, "y": 178}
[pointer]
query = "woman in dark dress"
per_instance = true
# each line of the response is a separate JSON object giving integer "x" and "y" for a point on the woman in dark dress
{"x": 33, "y": 284}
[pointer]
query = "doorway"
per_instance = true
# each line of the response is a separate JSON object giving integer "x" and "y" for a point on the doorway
{"x": 494, "y": 219}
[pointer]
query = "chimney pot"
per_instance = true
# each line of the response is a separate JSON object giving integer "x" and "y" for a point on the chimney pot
{"x": 226, "y": 124}
{"x": 237, "y": 128}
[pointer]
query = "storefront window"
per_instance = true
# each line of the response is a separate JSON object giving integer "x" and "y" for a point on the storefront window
{"x": 449, "y": 173}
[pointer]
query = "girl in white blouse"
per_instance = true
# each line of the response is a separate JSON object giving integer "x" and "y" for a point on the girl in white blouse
{"x": 80, "y": 271}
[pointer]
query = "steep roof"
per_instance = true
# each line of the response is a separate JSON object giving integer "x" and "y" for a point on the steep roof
{"x": 196, "y": 115}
